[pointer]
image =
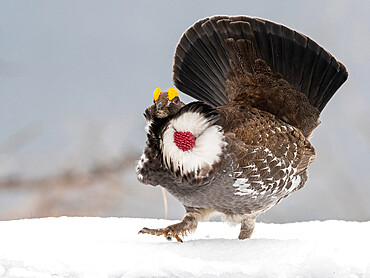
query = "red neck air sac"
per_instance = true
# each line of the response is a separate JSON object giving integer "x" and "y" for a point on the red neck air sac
{"x": 184, "y": 140}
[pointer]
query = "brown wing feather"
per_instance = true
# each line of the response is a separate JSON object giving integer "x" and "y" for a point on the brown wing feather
{"x": 270, "y": 153}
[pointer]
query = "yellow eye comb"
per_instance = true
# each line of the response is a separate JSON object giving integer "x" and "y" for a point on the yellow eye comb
{"x": 156, "y": 93}
{"x": 172, "y": 93}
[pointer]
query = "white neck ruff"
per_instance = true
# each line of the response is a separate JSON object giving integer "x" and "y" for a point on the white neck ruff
{"x": 209, "y": 142}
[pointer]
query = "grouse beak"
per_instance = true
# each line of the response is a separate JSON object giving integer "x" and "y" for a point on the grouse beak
{"x": 160, "y": 106}
{"x": 161, "y": 111}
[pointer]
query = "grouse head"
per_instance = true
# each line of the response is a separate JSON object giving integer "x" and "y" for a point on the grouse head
{"x": 165, "y": 104}
{"x": 186, "y": 139}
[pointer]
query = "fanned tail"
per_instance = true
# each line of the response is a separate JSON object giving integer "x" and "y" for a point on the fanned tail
{"x": 206, "y": 57}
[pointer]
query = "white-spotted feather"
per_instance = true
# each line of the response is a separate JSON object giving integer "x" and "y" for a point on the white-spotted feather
{"x": 243, "y": 186}
{"x": 140, "y": 165}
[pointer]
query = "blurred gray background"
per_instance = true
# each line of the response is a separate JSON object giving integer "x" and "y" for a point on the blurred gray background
{"x": 76, "y": 76}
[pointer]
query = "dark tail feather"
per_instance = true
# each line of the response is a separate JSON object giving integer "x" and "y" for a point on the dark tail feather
{"x": 206, "y": 56}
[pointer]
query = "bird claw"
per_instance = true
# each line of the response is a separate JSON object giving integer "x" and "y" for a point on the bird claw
{"x": 168, "y": 233}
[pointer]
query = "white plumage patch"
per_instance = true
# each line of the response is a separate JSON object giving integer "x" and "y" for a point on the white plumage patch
{"x": 148, "y": 124}
{"x": 140, "y": 165}
{"x": 209, "y": 142}
{"x": 296, "y": 181}
{"x": 143, "y": 158}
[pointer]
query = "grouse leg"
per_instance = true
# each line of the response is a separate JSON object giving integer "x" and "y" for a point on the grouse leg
{"x": 247, "y": 226}
{"x": 188, "y": 224}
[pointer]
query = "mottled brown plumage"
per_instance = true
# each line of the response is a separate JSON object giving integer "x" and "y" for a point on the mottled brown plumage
{"x": 261, "y": 88}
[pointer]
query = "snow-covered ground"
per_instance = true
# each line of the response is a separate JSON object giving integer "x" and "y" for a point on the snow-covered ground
{"x": 112, "y": 247}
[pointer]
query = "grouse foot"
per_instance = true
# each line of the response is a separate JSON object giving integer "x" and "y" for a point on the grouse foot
{"x": 168, "y": 233}
{"x": 187, "y": 225}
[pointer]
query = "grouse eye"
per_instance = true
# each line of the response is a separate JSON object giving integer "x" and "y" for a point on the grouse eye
{"x": 176, "y": 101}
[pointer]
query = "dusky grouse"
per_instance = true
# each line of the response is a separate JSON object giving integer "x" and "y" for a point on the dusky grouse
{"x": 244, "y": 146}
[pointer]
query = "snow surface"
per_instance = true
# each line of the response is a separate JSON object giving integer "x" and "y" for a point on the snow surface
{"x": 112, "y": 247}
